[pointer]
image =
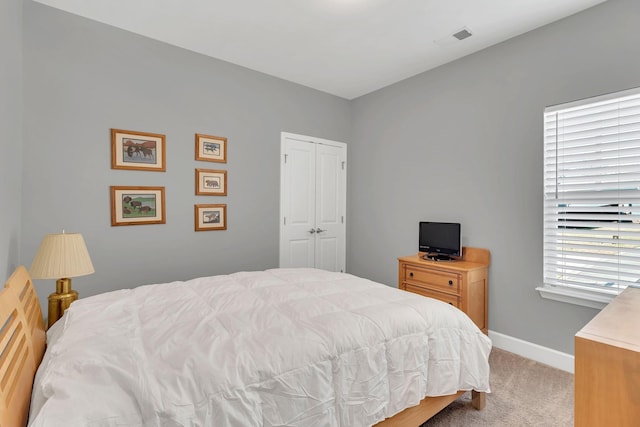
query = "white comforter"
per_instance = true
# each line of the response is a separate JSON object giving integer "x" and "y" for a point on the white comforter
{"x": 284, "y": 347}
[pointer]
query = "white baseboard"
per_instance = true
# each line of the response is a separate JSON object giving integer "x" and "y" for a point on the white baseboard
{"x": 548, "y": 356}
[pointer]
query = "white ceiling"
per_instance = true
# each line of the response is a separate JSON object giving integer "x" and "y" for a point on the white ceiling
{"x": 344, "y": 47}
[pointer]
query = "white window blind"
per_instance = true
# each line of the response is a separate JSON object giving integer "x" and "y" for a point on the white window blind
{"x": 592, "y": 194}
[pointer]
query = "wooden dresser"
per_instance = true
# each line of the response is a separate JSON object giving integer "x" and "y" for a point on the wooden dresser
{"x": 461, "y": 283}
{"x": 607, "y": 365}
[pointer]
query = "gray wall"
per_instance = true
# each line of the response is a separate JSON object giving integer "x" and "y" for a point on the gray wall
{"x": 82, "y": 78}
{"x": 464, "y": 143}
{"x": 460, "y": 143}
{"x": 10, "y": 134}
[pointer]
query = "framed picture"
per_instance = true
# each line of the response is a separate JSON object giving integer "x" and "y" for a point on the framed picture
{"x": 137, "y": 151}
{"x": 210, "y": 217}
{"x": 211, "y": 148}
{"x": 137, "y": 205}
{"x": 211, "y": 182}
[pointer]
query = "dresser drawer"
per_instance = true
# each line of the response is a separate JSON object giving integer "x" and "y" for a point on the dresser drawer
{"x": 448, "y": 298}
{"x": 441, "y": 280}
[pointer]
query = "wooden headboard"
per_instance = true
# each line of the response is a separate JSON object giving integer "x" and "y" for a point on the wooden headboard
{"x": 22, "y": 344}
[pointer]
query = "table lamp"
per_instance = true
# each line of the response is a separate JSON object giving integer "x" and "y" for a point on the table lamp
{"x": 61, "y": 256}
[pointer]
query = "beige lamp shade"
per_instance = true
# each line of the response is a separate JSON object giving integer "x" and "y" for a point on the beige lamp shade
{"x": 61, "y": 255}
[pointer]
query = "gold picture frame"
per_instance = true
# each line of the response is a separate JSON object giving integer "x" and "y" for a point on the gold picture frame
{"x": 210, "y": 148}
{"x": 210, "y": 217}
{"x": 210, "y": 182}
{"x": 137, "y": 205}
{"x": 142, "y": 151}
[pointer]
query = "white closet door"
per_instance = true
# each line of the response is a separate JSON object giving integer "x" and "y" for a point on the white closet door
{"x": 313, "y": 203}
{"x": 297, "y": 227}
{"x": 330, "y": 185}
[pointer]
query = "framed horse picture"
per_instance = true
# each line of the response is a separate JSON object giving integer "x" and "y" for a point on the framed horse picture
{"x": 141, "y": 151}
{"x": 211, "y": 148}
{"x": 211, "y": 182}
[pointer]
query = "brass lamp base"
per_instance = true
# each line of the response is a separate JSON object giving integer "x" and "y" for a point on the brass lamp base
{"x": 60, "y": 300}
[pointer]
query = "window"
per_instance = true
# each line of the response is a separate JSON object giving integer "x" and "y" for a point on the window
{"x": 592, "y": 198}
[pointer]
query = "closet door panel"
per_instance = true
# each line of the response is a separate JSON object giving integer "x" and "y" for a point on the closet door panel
{"x": 297, "y": 242}
{"x": 330, "y": 185}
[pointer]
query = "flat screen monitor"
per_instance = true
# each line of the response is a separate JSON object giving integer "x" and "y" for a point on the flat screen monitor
{"x": 441, "y": 239}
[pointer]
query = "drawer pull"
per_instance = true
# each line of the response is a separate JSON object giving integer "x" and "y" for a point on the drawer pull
{"x": 411, "y": 274}
{"x": 450, "y": 282}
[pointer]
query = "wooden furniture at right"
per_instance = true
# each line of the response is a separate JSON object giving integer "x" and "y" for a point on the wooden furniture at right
{"x": 607, "y": 365}
{"x": 462, "y": 283}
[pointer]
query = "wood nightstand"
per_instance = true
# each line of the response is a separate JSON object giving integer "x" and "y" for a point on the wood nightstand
{"x": 462, "y": 283}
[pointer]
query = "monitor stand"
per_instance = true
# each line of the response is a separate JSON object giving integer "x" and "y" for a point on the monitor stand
{"x": 438, "y": 257}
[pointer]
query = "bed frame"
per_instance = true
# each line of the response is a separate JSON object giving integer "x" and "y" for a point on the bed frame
{"x": 22, "y": 345}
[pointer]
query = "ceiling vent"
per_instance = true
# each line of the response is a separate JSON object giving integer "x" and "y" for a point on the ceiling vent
{"x": 463, "y": 34}
{"x": 454, "y": 38}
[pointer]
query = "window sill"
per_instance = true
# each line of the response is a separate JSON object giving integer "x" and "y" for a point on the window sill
{"x": 577, "y": 297}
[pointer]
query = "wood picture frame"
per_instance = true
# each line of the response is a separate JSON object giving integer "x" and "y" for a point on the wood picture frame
{"x": 137, "y": 205}
{"x": 210, "y": 148}
{"x": 210, "y": 182}
{"x": 210, "y": 217}
{"x": 142, "y": 151}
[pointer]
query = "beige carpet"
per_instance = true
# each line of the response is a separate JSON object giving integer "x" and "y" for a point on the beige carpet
{"x": 523, "y": 393}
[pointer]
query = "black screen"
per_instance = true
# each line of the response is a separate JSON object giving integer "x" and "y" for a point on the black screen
{"x": 440, "y": 237}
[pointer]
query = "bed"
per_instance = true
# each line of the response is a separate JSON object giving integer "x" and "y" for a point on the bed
{"x": 281, "y": 347}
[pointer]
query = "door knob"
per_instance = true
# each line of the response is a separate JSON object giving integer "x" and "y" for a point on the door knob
{"x": 318, "y": 230}
{"x": 312, "y": 231}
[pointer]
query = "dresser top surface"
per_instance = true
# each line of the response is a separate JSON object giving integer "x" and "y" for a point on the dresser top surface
{"x": 617, "y": 323}
{"x": 460, "y": 265}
